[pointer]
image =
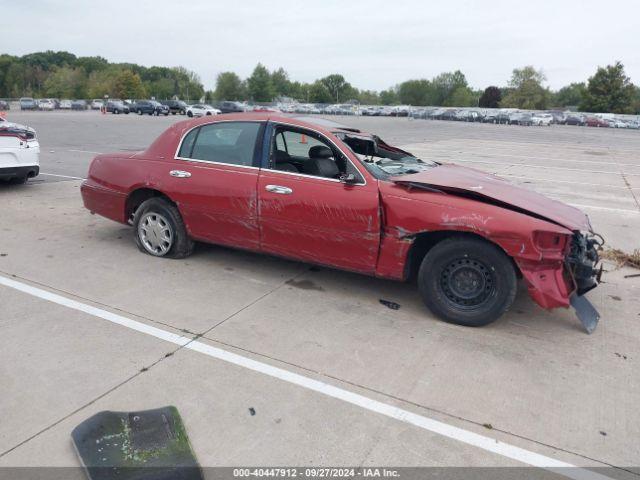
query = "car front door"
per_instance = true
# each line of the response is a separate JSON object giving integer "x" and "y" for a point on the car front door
{"x": 213, "y": 180}
{"x": 307, "y": 212}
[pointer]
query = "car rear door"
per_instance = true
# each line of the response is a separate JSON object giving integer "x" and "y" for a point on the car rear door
{"x": 315, "y": 218}
{"x": 213, "y": 180}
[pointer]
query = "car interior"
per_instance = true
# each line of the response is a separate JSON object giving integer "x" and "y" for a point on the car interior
{"x": 302, "y": 152}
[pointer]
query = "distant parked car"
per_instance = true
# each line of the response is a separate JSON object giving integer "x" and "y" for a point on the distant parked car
{"x": 596, "y": 122}
{"x": 577, "y": 120}
{"x": 19, "y": 152}
{"x": 175, "y": 106}
{"x": 519, "y": 118}
{"x": 151, "y": 107}
{"x": 201, "y": 109}
{"x": 618, "y": 123}
{"x": 65, "y": 104}
{"x": 490, "y": 117}
{"x": 231, "y": 107}
{"x": 4, "y": 105}
{"x": 79, "y": 105}
{"x": 503, "y": 118}
{"x": 116, "y": 107}
{"x": 46, "y": 104}
{"x": 28, "y": 103}
{"x": 96, "y": 104}
{"x": 542, "y": 119}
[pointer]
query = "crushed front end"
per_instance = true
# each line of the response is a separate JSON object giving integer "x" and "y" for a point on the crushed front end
{"x": 582, "y": 265}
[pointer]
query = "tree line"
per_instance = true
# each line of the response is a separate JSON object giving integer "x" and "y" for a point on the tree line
{"x": 64, "y": 75}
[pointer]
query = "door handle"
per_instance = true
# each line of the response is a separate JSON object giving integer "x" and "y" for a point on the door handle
{"x": 278, "y": 189}
{"x": 179, "y": 174}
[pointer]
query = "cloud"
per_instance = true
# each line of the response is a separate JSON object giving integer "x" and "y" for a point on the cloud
{"x": 374, "y": 43}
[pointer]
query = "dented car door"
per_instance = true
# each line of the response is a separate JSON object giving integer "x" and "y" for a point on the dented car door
{"x": 320, "y": 220}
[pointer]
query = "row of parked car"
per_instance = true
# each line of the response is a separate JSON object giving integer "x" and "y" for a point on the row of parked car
{"x": 526, "y": 118}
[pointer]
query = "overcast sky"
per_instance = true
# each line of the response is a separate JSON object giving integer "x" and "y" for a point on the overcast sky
{"x": 373, "y": 43}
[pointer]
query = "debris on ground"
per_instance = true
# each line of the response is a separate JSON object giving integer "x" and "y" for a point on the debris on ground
{"x": 615, "y": 297}
{"x": 621, "y": 258}
{"x": 252, "y": 411}
{"x": 149, "y": 444}
{"x": 389, "y": 304}
{"x": 632, "y": 276}
{"x": 487, "y": 426}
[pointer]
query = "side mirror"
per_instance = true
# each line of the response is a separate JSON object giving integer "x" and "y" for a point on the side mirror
{"x": 348, "y": 178}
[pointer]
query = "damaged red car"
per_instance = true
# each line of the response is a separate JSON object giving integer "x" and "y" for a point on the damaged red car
{"x": 320, "y": 192}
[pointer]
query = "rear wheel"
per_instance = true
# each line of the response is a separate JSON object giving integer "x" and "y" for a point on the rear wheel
{"x": 467, "y": 281}
{"x": 160, "y": 231}
{"x": 189, "y": 114}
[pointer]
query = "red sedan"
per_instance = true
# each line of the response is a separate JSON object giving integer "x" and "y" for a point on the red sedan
{"x": 323, "y": 193}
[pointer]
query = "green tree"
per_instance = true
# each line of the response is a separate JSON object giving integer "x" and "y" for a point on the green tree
{"x": 389, "y": 97}
{"x": 444, "y": 85}
{"x": 66, "y": 82}
{"x": 462, "y": 97}
{"x": 527, "y": 91}
{"x": 571, "y": 95}
{"x": 229, "y": 87}
{"x": 490, "y": 98}
{"x": 128, "y": 85}
{"x": 281, "y": 83}
{"x": 259, "y": 85}
{"x": 187, "y": 84}
{"x": 609, "y": 90}
{"x": 416, "y": 92}
{"x": 339, "y": 88}
{"x": 319, "y": 93}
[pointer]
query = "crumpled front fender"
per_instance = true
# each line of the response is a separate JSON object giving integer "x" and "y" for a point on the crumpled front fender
{"x": 547, "y": 282}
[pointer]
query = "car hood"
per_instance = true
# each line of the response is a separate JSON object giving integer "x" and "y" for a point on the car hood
{"x": 484, "y": 187}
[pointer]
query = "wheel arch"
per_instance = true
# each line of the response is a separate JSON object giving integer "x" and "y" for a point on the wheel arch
{"x": 137, "y": 196}
{"x": 423, "y": 242}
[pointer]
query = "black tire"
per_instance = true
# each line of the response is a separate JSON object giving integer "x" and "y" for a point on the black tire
{"x": 182, "y": 246}
{"x": 208, "y": 114}
{"x": 189, "y": 114}
{"x": 173, "y": 113}
{"x": 467, "y": 281}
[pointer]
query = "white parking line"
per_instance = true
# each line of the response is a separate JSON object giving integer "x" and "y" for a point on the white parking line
{"x": 61, "y": 176}
{"x": 465, "y": 436}
{"x": 604, "y": 209}
{"x": 546, "y": 167}
{"x": 84, "y": 151}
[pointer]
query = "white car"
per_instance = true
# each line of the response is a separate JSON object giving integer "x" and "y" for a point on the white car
{"x": 542, "y": 119}
{"x": 201, "y": 109}
{"x": 65, "y": 104}
{"x": 97, "y": 104}
{"x": 19, "y": 152}
{"x": 46, "y": 104}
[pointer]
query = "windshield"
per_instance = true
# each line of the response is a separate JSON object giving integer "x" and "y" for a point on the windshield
{"x": 382, "y": 160}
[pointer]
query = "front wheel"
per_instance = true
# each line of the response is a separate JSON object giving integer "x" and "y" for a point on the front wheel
{"x": 467, "y": 281}
{"x": 160, "y": 231}
{"x": 189, "y": 114}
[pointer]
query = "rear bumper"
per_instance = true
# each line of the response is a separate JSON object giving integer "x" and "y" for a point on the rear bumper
{"x": 103, "y": 201}
{"x": 28, "y": 171}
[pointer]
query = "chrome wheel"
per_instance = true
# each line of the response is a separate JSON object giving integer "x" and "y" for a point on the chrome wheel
{"x": 155, "y": 233}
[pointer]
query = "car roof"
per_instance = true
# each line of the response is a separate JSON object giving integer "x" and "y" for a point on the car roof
{"x": 327, "y": 127}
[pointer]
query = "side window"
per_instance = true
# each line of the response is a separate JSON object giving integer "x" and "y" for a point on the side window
{"x": 187, "y": 144}
{"x": 224, "y": 142}
{"x": 305, "y": 152}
